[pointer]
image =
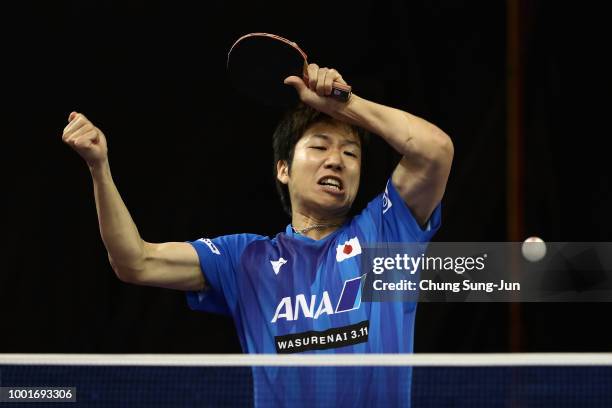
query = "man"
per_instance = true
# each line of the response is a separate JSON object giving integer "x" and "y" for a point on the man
{"x": 300, "y": 291}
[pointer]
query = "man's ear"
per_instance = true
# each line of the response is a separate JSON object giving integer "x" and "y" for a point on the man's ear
{"x": 282, "y": 171}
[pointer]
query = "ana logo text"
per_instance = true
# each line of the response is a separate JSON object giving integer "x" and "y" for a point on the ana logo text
{"x": 292, "y": 309}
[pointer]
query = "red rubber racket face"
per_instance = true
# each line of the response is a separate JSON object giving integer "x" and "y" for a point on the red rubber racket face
{"x": 257, "y": 65}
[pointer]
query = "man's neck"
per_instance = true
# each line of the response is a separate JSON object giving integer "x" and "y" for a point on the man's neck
{"x": 315, "y": 227}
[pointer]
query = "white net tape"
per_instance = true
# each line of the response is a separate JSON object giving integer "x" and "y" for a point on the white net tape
{"x": 228, "y": 360}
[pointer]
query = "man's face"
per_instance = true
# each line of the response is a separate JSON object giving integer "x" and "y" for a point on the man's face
{"x": 324, "y": 175}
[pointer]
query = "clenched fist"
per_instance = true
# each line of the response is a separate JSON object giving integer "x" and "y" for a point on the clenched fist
{"x": 88, "y": 141}
{"x": 317, "y": 87}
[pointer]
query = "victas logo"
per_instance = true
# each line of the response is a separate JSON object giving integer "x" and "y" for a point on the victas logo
{"x": 347, "y": 250}
{"x": 386, "y": 202}
{"x": 276, "y": 265}
{"x": 292, "y": 309}
{"x": 209, "y": 243}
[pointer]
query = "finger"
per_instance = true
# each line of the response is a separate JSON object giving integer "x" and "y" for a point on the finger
{"x": 336, "y": 77}
{"x": 340, "y": 80}
{"x": 75, "y": 120}
{"x": 332, "y": 75}
{"x": 80, "y": 131}
{"x": 78, "y": 118}
{"x": 313, "y": 70}
{"x": 92, "y": 136}
{"x": 72, "y": 115}
{"x": 87, "y": 139}
{"x": 74, "y": 125}
{"x": 69, "y": 132}
{"x": 296, "y": 82}
{"x": 320, "y": 89}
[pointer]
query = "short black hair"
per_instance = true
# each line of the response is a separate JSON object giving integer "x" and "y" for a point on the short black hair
{"x": 289, "y": 131}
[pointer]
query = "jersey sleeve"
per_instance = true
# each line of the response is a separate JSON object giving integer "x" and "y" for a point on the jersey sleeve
{"x": 387, "y": 218}
{"x": 219, "y": 263}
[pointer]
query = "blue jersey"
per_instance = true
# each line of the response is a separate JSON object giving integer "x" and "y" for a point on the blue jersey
{"x": 293, "y": 294}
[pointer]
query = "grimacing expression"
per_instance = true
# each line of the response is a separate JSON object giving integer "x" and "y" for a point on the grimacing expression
{"x": 325, "y": 171}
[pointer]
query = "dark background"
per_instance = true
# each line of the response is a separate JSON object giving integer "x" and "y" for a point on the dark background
{"x": 191, "y": 159}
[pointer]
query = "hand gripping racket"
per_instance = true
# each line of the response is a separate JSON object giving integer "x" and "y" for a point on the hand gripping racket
{"x": 258, "y": 63}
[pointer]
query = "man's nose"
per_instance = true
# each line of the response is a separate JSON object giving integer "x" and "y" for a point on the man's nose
{"x": 334, "y": 160}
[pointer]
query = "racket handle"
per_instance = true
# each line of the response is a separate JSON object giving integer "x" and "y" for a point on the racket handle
{"x": 341, "y": 92}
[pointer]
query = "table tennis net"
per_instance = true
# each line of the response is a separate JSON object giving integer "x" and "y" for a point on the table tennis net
{"x": 438, "y": 380}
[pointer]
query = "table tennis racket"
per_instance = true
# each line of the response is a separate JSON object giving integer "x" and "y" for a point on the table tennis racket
{"x": 258, "y": 63}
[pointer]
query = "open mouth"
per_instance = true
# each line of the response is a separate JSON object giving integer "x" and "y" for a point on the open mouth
{"x": 331, "y": 183}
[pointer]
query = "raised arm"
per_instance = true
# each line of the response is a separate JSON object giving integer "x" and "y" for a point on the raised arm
{"x": 173, "y": 265}
{"x": 427, "y": 152}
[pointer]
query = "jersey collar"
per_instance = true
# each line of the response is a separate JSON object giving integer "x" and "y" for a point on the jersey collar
{"x": 292, "y": 234}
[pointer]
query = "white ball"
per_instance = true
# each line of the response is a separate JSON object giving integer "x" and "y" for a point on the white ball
{"x": 533, "y": 249}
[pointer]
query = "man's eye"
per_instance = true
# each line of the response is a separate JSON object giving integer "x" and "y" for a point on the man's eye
{"x": 350, "y": 154}
{"x": 318, "y": 147}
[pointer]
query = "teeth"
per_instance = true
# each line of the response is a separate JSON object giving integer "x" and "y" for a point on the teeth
{"x": 331, "y": 182}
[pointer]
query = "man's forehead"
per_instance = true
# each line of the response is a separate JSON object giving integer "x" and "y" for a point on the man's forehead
{"x": 332, "y": 132}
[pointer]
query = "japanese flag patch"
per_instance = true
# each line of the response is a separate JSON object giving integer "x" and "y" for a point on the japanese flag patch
{"x": 347, "y": 250}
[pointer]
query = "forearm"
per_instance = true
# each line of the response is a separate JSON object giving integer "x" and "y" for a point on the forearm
{"x": 126, "y": 249}
{"x": 409, "y": 135}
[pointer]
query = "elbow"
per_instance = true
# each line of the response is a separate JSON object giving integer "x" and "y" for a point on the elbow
{"x": 121, "y": 273}
{"x": 443, "y": 146}
{"x": 446, "y": 149}
{"x": 439, "y": 150}
{"x": 432, "y": 147}
{"x": 125, "y": 274}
